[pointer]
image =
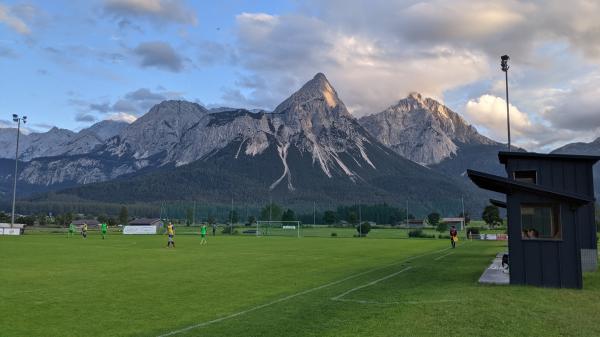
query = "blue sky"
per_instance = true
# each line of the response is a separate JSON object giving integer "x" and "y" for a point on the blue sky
{"x": 70, "y": 64}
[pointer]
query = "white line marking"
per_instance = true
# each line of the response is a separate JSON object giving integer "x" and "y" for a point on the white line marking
{"x": 370, "y": 283}
{"x": 199, "y": 325}
{"x": 400, "y": 302}
{"x": 443, "y": 256}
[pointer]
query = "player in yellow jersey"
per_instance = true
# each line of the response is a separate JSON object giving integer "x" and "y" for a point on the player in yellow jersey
{"x": 171, "y": 233}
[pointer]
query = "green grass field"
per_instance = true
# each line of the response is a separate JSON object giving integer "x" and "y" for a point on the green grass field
{"x": 51, "y": 285}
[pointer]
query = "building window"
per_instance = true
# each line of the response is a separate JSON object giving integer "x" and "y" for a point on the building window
{"x": 540, "y": 222}
{"x": 529, "y": 176}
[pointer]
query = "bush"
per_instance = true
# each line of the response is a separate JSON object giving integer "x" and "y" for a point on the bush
{"x": 442, "y": 227}
{"x": 333, "y": 234}
{"x": 418, "y": 233}
{"x": 364, "y": 229}
{"x": 441, "y": 236}
{"x": 227, "y": 230}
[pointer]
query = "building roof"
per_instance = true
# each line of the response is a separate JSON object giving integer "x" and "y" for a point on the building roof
{"x": 453, "y": 219}
{"x": 89, "y": 222}
{"x": 504, "y": 185}
{"x": 504, "y": 155}
{"x": 498, "y": 203}
{"x": 144, "y": 221}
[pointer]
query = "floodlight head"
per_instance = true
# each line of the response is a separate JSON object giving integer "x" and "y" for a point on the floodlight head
{"x": 15, "y": 118}
{"x": 24, "y": 119}
{"x": 504, "y": 62}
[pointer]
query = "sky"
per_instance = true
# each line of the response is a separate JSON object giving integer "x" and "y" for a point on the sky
{"x": 73, "y": 63}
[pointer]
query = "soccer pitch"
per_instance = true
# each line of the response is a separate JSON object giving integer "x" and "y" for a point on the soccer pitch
{"x": 51, "y": 285}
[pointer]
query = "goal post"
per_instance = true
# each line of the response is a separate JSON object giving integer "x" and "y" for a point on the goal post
{"x": 278, "y": 228}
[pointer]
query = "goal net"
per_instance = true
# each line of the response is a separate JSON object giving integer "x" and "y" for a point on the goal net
{"x": 278, "y": 228}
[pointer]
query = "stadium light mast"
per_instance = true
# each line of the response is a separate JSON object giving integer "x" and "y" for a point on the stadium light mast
{"x": 17, "y": 120}
{"x": 504, "y": 65}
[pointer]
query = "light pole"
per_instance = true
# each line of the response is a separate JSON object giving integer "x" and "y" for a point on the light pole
{"x": 18, "y": 120}
{"x": 504, "y": 64}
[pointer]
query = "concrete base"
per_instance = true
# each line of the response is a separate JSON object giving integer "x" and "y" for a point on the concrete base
{"x": 495, "y": 274}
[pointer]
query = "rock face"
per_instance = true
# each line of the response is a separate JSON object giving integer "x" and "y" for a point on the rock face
{"x": 57, "y": 142}
{"x": 422, "y": 130}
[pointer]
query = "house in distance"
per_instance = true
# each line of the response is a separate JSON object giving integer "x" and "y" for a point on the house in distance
{"x": 550, "y": 213}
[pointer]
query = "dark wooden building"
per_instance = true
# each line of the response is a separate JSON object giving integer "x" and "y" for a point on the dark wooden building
{"x": 550, "y": 211}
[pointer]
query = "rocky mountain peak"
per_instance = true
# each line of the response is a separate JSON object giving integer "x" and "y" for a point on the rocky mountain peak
{"x": 422, "y": 129}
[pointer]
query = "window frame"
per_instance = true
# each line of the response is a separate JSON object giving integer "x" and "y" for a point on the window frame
{"x": 556, "y": 218}
{"x": 535, "y": 177}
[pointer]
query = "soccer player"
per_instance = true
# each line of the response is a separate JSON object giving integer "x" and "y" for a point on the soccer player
{"x": 84, "y": 231}
{"x": 103, "y": 229}
{"x": 203, "y": 234}
{"x": 453, "y": 236}
{"x": 71, "y": 229}
{"x": 171, "y": 233}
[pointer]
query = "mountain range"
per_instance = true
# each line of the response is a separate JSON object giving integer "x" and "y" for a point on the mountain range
{"x": 310, "y": 148}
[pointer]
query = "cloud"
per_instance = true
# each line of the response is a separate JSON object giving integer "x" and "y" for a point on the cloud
{"x": 159, "y": 55}
{"x": 122, "y": 116}
{"x": 83, "y": 117}
{"x": 133, "y": 103}
{"x": 13, "y": 21}
{"x": 489, "y": 112}
{"x": 159, "y": 11}
{"x": 577, "y": 108}
{"x": 282, "y": 52}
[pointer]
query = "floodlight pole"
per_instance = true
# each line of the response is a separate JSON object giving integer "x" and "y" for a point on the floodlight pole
{"x": 18, "y": 120}
{"x": 359, "y": 220}
{"x": 504, "y": 65}
{"x": 464, "y": 216}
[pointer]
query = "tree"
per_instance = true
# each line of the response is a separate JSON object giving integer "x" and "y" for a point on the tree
{"x": 329, "y": 217}
{"x": 102, "y": 218}
{"x": 123, "y": 216}
{"x": 271, "y": 211}
{"x": 363, "y": 229}
{"x": 288, "y": 215}
{"x": 233, "y": 217}
{"x": 42, "y": 219}
{"x": 211, "y": 219}
{"x": 491, "y": 216}
{"x": 251, "y": 220}
{"x": 352, "y": 218}
{"x": 433, "y": 219}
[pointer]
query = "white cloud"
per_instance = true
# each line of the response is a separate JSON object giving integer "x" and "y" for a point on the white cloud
{"x": 9, "y": 18}
{"x": 122, "y": 116}
{"x": 489, "y": 112}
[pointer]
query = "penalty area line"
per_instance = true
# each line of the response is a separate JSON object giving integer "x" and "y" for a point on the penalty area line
{"x": 370, "y": 283}
{"x": 289, "y": 297}
{"x": 443, "y": 256}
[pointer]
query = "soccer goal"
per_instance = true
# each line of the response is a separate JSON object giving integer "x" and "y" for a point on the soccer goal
{"x": 278, "y": 228}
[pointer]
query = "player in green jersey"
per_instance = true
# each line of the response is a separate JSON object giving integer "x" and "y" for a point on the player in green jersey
{"x": 203, "y": 234}
{"x": 103, "y": 229}
{"x": 71, "y": 230}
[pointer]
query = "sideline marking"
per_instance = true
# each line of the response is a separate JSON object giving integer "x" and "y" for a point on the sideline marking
{"x": 443, "y": 256}
{"x": 283, "y": 299}
{"x": 400, "y": 302}
{"x": 370, "y": 283}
